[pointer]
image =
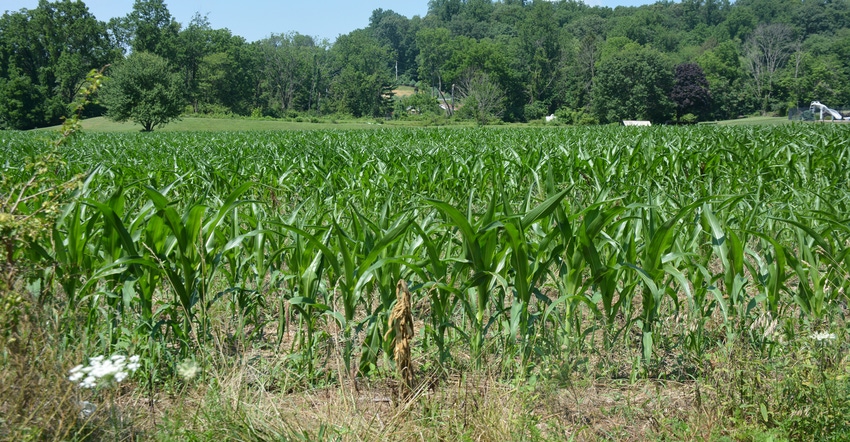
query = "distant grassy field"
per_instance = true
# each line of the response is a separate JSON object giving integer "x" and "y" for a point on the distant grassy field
{"x": 756, "y": 121}
{"x": 403, "y": 91}
{"x": 187, "y": 124}
{"x": 190, "y": 124}
{"x": 769, "y": 121}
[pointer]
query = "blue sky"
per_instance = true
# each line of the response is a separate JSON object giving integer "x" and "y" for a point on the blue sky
{"x": 256, "y": 19}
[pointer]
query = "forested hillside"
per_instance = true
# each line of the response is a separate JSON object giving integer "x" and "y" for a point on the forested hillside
{"x": 511, "y": 60}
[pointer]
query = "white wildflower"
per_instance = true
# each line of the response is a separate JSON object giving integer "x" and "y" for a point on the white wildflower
{"x": 103, "y": 372}
{"x": 76, "y": 373}
{"x": 188, "y": 369}
{"x": 134, "y": 363}
{"x": 823, "y": 336}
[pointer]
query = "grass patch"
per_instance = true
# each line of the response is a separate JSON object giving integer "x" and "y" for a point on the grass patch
{"x": 259, "y": 395}
{"x": 193, "y": 124}
{"x": 190, "y": 124}
{"x": 404, "y": 91}
{"x": 756, "y": 121}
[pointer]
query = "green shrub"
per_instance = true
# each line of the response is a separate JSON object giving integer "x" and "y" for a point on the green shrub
{"x": 688, "y": 119}
{"x": 535, "y": 111}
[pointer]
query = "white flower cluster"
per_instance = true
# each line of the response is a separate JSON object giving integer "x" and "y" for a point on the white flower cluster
{"x": 823, "y": 336}
{"x": 188, "y": 369}
{"x": 103, "y": 372}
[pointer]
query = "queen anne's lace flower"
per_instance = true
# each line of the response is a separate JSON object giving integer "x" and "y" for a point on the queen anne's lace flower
{"x": 823, "y": 336}
{"x": 188, "y": 369}
{"x": 102, "y": 372}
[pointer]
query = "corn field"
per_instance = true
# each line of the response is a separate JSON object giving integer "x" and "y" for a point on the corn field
{"x": 518, "y": 245}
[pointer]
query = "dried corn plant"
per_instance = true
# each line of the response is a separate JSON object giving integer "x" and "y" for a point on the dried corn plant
{"x": 401, "y": 322}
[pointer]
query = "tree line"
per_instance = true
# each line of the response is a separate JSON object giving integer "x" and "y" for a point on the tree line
{"x": 512, "y": 60}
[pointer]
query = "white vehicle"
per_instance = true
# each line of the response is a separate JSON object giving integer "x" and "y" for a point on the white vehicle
{"x": 818, "y": 106}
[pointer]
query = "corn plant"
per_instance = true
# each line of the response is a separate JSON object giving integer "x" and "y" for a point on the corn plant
{"x": 517, "y": 244}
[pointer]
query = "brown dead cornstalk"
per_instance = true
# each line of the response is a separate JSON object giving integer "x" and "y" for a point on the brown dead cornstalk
{"x": 401, "y": 321}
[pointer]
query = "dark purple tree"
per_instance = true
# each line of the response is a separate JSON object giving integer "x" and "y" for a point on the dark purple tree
{"x": 690, "y": 91}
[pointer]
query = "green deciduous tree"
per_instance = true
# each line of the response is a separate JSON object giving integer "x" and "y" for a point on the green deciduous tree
{"x": 726, "y": 77}
{"x": 444, "y": 10}
{"x": 399, "y": 34}
{"x": 230, "y": 79}
{"x": 544, "y": 55}
{"x": 821, "y": 78}
{"x": 26, "y": 106}
{"x": 495, "y": 59}
{"x": 143, "y": 89}
{"x": 583, "y": 54}
{"x": 361, "y": 82}
{"x": 197, "y": 41}
{"x": 45, "y": 54}
{"x": 149, "y": 28}
{"x": 193, "y": 45}
{"x": 73, "y": 41}
{"x": 539, "y": 52}
{"x": 633, "y": 84}
{"x": 434, "y": 49}
{"x": 293, "y": 73}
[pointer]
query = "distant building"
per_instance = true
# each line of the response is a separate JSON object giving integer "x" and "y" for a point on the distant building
{"x": 636, "y": 123}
